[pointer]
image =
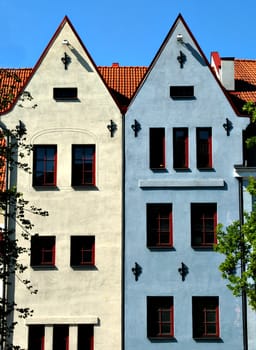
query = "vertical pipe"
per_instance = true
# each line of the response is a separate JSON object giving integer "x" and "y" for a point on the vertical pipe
{"x": 5, "y": 267}
{"x": 123, "y": 237}
{"x": 243, "y": 267}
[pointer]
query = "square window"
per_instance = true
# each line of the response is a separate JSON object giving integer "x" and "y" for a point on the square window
{"x": 157, "y": 148}
{"x": 182, "y": 91}
{"x": 64, "y": 94}
{"x": 42, "y": 251}
{"x": 45, "y": 165}
{"x": 85, "y": 337}
{"x": 159, "y": 225}
{"x": 180, "y": 148}
{"x": 203, "y": 225}
{"x": 36, "y": 337}
{"x": 160, "y": 317}
{"x": 61, "y": 337}
{"x": 205, "y": 315}
{"x": 83, "y": 165}
{"x": 82, "y": 251}
{"x": 204, "y": 148}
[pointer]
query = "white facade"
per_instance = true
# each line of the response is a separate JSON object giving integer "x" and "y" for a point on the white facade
{"x": 69, "y": 296}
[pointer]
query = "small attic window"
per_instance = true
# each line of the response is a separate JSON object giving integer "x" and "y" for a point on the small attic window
{"x": 182, "y": 91}
{"x": 65, "y": 94}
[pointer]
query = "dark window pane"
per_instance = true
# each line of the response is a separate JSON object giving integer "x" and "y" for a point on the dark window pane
{"x": 65, "y": 93}
{"x": 157, "y": 148}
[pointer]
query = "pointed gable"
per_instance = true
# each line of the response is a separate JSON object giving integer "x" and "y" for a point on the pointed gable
{"x": 64, "y": 61}
{"x": 179, "y": 61}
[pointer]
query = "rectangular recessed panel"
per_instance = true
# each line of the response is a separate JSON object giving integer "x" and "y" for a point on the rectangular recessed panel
{"x": 68, "y": 93}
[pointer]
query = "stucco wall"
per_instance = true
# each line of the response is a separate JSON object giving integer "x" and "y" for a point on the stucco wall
{"x": 153, "y": 107}
{"x": 64, "y": 294}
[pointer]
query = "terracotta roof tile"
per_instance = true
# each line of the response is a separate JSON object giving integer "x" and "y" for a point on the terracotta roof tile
{"x": 122, "y": 81}
{"x": 11, "y": 83}
{"x": 245, "y": 82}
{"x": 245, "y": 72}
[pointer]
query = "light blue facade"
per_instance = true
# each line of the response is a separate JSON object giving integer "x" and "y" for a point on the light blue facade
{"x": 153, "y": 107}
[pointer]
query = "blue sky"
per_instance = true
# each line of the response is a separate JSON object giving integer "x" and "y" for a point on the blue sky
{"x": 128, "y": 32}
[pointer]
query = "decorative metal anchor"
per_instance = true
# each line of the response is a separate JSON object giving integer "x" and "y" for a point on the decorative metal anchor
{"x": 136, "y": 127}
{"x": 182, "y": 59}
{"x": 66, "y": 60}
{"x": 112, "y": 127}
{"x": 228, "y": 126}
{"x": 137, "y": 270}
{"x": 183, "y": 271}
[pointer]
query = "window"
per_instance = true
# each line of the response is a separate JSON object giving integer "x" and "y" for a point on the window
{"x": 83, "y": 165}
{"x": 42, "y": 250}
{"x": 180, "y": 148}
{"x": 82, "y": 251}
{"x": 159, "y": 225}
{"x": 182, "y": 91}
{"x": 160, "y": 317}
{"x": 85, "y": 337}
{"x": 63, "y": 94}
{"x": 203, "y": 224}
{"x": 204, "y": 148}
{"x": 205, "y": 315}
{"x": 61, "y": 337}
{"x": 45, "y": 165}
{"x": 157, "y": 148}
{"x": 36, "y": 337}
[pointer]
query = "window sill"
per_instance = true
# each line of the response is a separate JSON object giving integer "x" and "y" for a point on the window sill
{"x": 160, "y": 248}
{"x": 162, "y": 339}
{"x": 85, "y": 187}
{"x": 206, "y": 169}
{"x": 208, "y": 339}
{"x": 182, "y": 169}
{"x": 159, "y": 169}
{"x": 45, "y": 187}
{"x": 84, "y": 267}
{"x": 43, "y": 267}
{"x": 203, "y": 247}
{"x": 75, "y": 99}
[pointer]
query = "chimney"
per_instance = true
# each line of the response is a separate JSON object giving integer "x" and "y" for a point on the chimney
{"x": 227, "y": 73}
{"x": 224, "y": 69}
{"x": 115, "y": 64}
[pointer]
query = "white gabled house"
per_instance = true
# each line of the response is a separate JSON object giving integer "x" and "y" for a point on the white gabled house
{"x": 75, "y": 127}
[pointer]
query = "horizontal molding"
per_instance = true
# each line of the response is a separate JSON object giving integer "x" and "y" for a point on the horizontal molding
{"x": 63, "y": 320}
{"x": 167, "y": 183}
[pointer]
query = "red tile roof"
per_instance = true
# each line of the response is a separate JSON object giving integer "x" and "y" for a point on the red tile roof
{"x": 245, "y": 82}
{"x": 122, "y": 81}
{"x": 11, "y": 83}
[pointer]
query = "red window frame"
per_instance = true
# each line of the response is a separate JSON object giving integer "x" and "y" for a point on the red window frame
{"x": 205, "y": 317}
{"x": 43, "y": 251}
{"x": 83, "y": 165}
{"x": 157, "y": 148}
{"x": 160, "y": 317}
{"x": 159, "y": 225}
{"x": 85, "y": 337}
{"x": 203, "y": 225}
{"x": 36, "y": 337}
{"x": 180, "y": 148}
{"x": 61, "y": 337}
{"x": 82, "y": 251}
{"x": 204, "y": 148}
{"x": 45, "y": 165}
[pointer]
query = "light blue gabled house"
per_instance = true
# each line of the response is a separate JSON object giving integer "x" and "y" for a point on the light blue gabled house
{"x": 182, "y": 140}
